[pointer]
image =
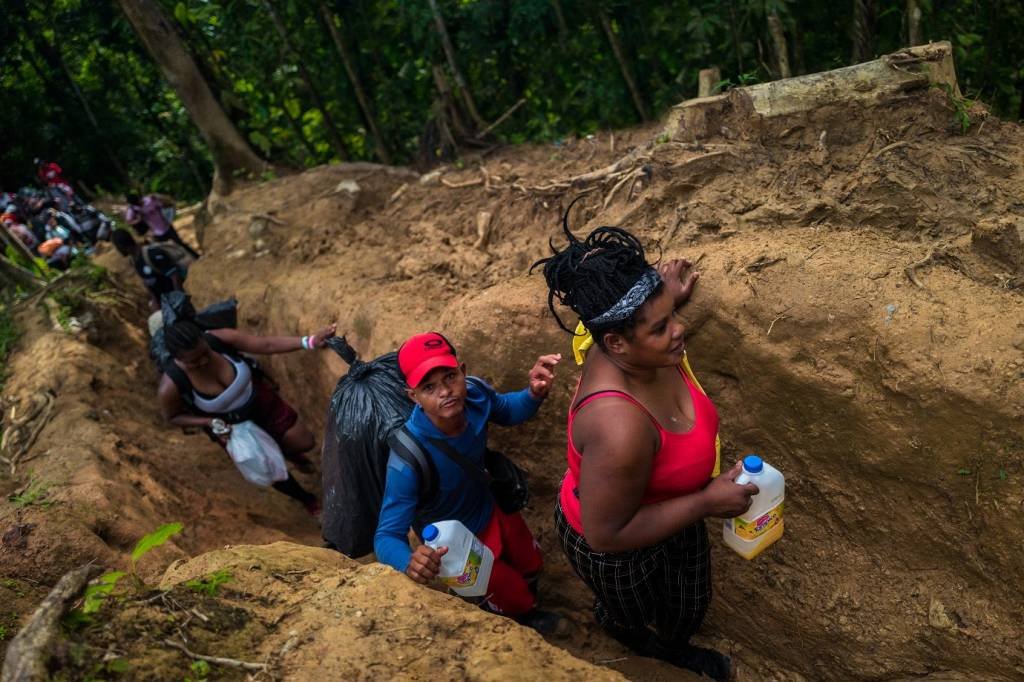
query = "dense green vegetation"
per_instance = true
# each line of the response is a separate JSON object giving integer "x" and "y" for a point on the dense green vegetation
{"x": 81, "y": 89}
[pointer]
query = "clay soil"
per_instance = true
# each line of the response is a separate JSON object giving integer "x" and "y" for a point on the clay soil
{"x": 855, "y": 324}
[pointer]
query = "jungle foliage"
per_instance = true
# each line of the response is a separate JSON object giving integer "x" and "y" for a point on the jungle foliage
{"x": 81, "y": 89}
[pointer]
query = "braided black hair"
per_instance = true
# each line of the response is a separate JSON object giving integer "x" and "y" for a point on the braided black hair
{"x": 591, "y": 275}
{"x": 182, "y": 336}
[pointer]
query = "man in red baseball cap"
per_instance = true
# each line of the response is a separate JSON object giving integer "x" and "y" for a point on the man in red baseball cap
{"x": 452, "y": 413}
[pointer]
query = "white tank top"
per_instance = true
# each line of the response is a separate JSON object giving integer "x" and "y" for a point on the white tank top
{"x": 233, "y": 397}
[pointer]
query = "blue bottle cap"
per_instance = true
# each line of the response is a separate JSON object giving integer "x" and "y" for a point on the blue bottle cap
{"x": 752, "y": 464}
{"x": 430, "y": 532}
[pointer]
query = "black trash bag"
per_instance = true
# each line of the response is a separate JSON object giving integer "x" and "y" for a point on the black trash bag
{"x": 367, "y": 405}
{"x": 177, "y": 305}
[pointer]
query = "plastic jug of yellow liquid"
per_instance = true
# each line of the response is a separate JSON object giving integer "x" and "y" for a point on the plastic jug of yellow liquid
{"x": 466, "y": 568}
{"x": 761, "y": 525}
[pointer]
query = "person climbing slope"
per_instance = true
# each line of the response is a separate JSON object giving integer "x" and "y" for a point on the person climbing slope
{"x": 162, "y": 268}
{"x": 452, "y": 413}
{"x": 642, "y": 450}
{"x": 212, "y": 386}
{"x": 146, "y": 215}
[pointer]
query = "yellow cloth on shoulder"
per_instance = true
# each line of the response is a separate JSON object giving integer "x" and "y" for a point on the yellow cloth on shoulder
{"x": 582, "y": 341}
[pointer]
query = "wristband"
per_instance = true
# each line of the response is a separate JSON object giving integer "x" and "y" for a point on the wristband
{"x": 306, "y": 345}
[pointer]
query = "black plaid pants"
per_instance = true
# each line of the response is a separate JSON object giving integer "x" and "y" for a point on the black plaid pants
{"x": 651, "y": 599}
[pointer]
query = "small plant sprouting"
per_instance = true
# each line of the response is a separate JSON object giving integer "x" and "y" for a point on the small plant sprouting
{"x": 748, "y": 78}
{"x": 8, "y": 625}
{"x": 99, "y": 591}
{"x": 210, "y": 584}
{"x": 961, "y": 107}
{"x": 154, "y": 540}
{"x": 200, "y": 670}
{"x": 96, "y": 594}
{"x": 33, "y": 494}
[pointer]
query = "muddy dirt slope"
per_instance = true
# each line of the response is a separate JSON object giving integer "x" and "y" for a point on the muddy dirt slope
{"x": 859, "y": 323}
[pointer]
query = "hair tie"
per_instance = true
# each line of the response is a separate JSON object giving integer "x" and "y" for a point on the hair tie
{"x": 630, "y": 302}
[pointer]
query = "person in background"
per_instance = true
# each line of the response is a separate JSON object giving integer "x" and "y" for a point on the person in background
{"x": 57, "y": 253}
{"x": 455, "y": 410}
{"x": 52, "y": 175}
{"x": 160, "y": 272}
{"x": 19, "y": 230}
{"x": 146, "y": 214}
{"x": 642, "y": 450}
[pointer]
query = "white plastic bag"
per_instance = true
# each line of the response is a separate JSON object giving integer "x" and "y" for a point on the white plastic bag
{"x": 257, "y": 456}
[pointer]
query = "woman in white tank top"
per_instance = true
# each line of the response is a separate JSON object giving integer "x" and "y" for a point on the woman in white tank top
{"x": 210, "y": 381}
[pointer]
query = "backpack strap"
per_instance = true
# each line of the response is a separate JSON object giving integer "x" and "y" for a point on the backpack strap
{"x": 218, "y": 345}
{"x": 473, "y": 470}
{"x": 405, "y": 445}
{"x": 186, "y": 389}
{"x": 181, "y": 381}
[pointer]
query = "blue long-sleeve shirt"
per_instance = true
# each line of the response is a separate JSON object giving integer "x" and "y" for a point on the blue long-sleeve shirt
{"x": 459, "y": 496}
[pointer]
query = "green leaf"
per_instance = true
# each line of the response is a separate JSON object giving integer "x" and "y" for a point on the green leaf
{"x": 210, "y": 584}
{"x": 968, "y": 39}
{"x": 96, "y": 594}
{"x": 155, "y": 539}
{"x": 181, "y": 13}
{"x": 118, "y": 665}
{"x": 964, "y": 472}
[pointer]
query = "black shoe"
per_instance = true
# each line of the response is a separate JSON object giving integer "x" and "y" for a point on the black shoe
{"x": 703, "y": 661}
{"x": 544, "y": 622}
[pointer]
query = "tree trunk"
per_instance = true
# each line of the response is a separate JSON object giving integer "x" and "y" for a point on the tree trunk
{"x": 563, "y": 28}
{"x": 734, "y": 30}
{"x": 627, "y": 73}
{"x": 799, "y": 64}
{"x": 460, "y": 81}
{"x": 449, "y": 105}
{"x": 779, "y": 42}
{"x": 333, "y": 136}
{"x": 357, "y": 85}
{"x": 228, "y": 148}
{"x": 913, "y": 23}
{"x": 863, "y": 32}
{"x": 707, "y": 79}
{"x": 216, "y": 76}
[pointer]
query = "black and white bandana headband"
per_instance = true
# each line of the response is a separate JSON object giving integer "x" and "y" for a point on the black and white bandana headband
{"x": 630, "y": 301}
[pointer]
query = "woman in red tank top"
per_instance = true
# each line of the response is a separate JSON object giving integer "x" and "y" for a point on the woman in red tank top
{"x": 641, "y": 451}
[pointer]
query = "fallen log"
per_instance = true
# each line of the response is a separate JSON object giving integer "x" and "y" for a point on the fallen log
{"x": 887, "y": 77}
{"x": 27, "y": 653}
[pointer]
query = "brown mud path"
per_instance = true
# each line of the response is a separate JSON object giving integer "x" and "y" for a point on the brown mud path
{"x": 891, "y": 398}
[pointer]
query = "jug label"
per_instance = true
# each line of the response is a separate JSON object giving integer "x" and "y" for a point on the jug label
{"x": 469, "y": 574}
{"x": 751, "y": 530}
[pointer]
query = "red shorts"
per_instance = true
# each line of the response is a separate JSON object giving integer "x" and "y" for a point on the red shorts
{"x": 270, "y": 412}
{"x": 517, "y": 559}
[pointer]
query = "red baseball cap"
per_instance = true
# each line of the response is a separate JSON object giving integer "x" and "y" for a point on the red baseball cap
{"x": 422, "y": 353}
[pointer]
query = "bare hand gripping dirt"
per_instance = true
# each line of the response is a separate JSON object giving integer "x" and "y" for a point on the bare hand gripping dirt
{"x": 466, "y": 568}
{"x": 750, "y": 533}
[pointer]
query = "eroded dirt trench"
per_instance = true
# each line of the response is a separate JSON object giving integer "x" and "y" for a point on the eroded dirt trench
{"x": 859, "y": 323}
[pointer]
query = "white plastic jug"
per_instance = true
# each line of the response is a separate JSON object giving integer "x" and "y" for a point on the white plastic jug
{"x": 466, "y": 568}
{"x": 761, "y": 525}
